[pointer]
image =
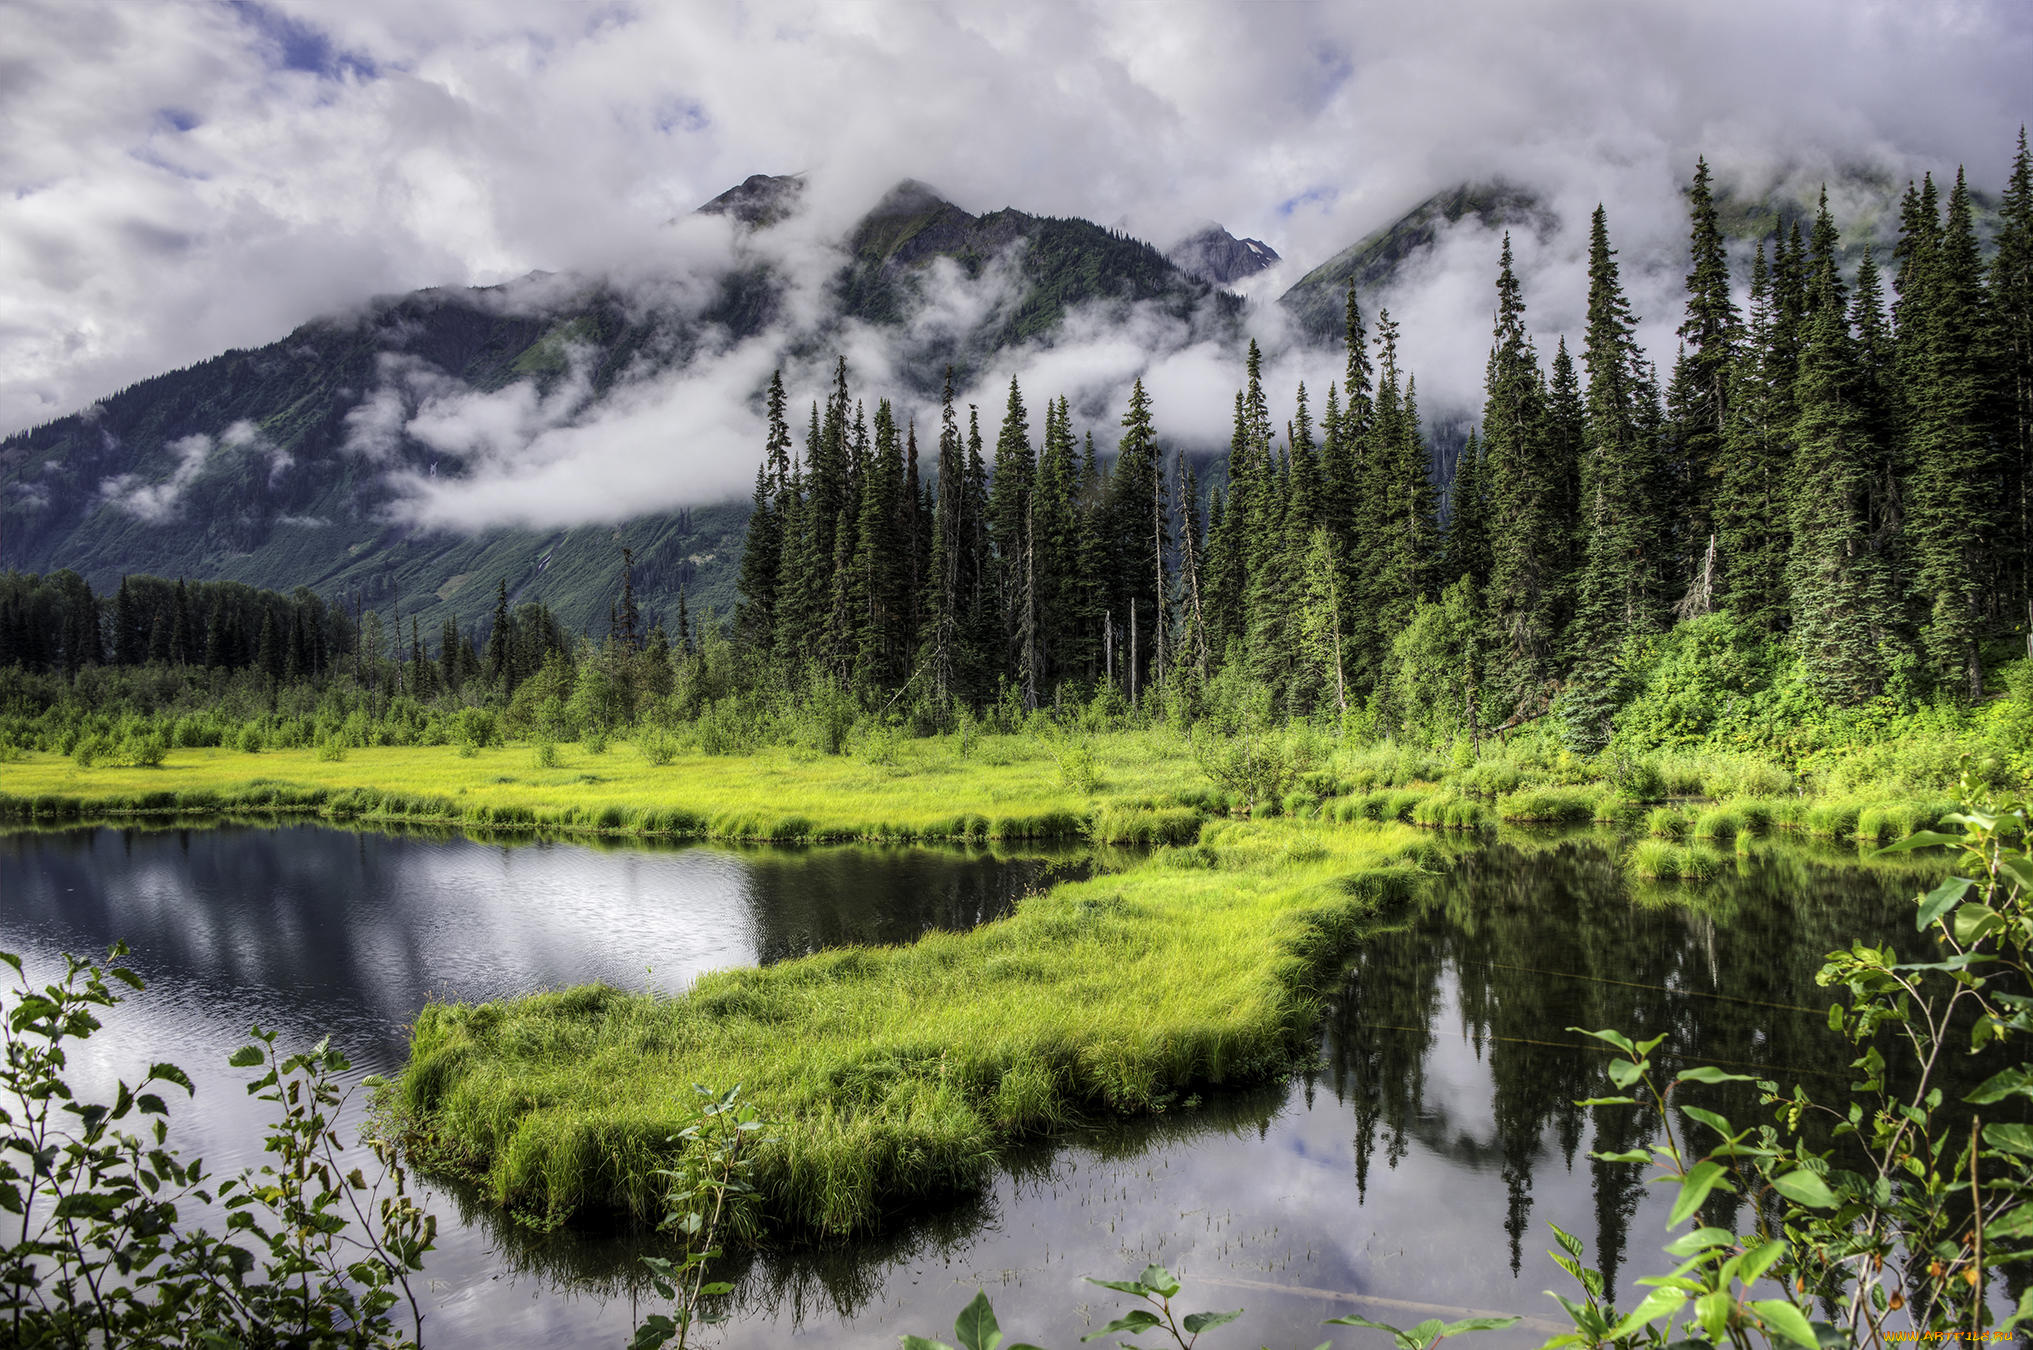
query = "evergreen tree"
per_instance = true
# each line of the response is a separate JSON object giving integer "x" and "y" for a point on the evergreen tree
{"x": 2012, "y": 301}
{"x": 1009, "y": 511}
{"x": 625, "y": 627}
{"x": 1953, "y": 520}
{"x": 1135, "y": 516}
{"x": 1701, "y": 377}
{"x": 762, "y": 551}
{"x": 1619, "y": 588}
{"x": 1529, "y": 497}
{"x": 1831, "y": 558}
{"x": 1467, "y": 541}
{"x": 501, "y": 671}
{"x": 1750, "y": 512}
{"x": 1396, "y": 536}
{"x": 944, "y": 572}
{"x": 881, "y": 567}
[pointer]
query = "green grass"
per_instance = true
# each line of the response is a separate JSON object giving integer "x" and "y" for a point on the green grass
{"x": 1662, "y": 860}
{"x": 1667, "y": 822}
{"x": 896, "y": 1074}
{"x": 1540, "y": 806}
{"x": 999, "y": 788}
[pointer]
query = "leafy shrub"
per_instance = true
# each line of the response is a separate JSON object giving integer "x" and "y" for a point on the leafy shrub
{"x": 250, "y": 741}
{"x": 657, "y": 746}
{"x": 545, "y": 755}
{"x": 1079, "y": 771}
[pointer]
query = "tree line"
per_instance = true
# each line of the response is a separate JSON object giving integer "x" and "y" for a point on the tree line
{"x": 1835, "y": 469}
{"x": 1838, "y": 469}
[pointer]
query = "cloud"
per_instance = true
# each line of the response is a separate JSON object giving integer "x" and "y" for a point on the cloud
{"x": 184, "y": 177}
{"x": 157, "y": 502}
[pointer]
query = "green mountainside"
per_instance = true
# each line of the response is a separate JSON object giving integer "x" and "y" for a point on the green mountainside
{"x": 1318, "y": 299}
{"x": 239, "y": 467}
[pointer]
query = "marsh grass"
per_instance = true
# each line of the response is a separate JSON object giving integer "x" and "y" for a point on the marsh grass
{"x": 1548, "y": 806}
{"x": 926, "y": 790}
{"x": 898, "y": 1073}
{"x": 1664, "y": 860}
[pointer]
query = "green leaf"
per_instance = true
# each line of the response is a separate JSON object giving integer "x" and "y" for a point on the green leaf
{"x": 1121, "y": 1286}
{"x": 1804, "y": 1187}
{"x": 2023, "y": 1313}
{"x": 1616, "y": 1038}
{"x": 1919, "y": 839}
{"x": 1659, "y": 1303}
{"x": 2000, "y": 1085}
{"x": 1976, "y": 921}
{"x": 2015, "y": 1223}
{"x": 1710, "y": 1119}
{"x": 1160, "y": 1281}
{"x": 918, "y": 1343}
{"x": 1607, "y": 1101}
{"x": 976, "y": 1327}
{"x": 1134, "y": 1321}
{"x": 1623, "y": 1072}
{"x": 1704, "y": 1177}
{"x": 246, "y": 1057}
{"x": 1635, "y": 1155}
{"x": 1939, "y": 900}
{"x": 1203, "y": 1321}
{"x": 2020, "y": 870}
{"x": 1708, "y": 1073}
{"x": 1476, "y": 1324}
{"x": 2011, "y": 1138}
{"x": 1700, "y": 1240}
{"x": 1786, "y": 1320}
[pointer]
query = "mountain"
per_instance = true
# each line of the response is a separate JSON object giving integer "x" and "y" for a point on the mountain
{"x": 1215, "y": 256}
{"x": 760, "y": 200}
{"x": 271, "y": 466}
{"x": 1033, "y": 271}
{"x": 1319, "y": 299}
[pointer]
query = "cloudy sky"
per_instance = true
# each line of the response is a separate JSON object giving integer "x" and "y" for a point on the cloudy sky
{"x": 182, "y": 176}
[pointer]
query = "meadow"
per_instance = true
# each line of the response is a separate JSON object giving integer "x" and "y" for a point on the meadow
{"x": 894, "y": 1074}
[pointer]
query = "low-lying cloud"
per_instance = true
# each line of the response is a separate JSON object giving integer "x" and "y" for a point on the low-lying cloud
{"x": 184, "y": 177}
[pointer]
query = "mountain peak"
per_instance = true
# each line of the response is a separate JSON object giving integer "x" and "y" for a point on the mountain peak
{"x": 1214, "y": 255}
{"x": 1318, "y": 299}
{"x": 760, "y": 200}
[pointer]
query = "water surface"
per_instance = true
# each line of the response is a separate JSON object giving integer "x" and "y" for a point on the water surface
{"x": 1411, "y": 1172}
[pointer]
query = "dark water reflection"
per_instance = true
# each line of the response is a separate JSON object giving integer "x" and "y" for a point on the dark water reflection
{"x": 1412, "y": 1173}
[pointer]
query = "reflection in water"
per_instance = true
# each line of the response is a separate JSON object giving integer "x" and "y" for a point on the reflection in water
{"x": 1410, "y": 1175}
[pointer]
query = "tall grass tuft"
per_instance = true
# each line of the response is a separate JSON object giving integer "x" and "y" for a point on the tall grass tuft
{"x": 897, "y": 1072}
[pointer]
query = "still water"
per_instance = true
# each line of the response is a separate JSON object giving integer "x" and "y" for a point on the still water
{"x": 1411, "y": 1173}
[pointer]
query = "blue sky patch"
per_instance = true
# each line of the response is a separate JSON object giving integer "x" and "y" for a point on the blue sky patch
{"x": 298, "y": 46}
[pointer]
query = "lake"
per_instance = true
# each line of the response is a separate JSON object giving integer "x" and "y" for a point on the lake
{"x": 1411, "y": 1172}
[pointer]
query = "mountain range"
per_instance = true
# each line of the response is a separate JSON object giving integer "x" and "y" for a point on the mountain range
{"x": 281, "y": 466}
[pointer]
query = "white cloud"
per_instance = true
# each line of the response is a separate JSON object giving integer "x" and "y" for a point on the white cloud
{"x": 157, "y": 502}
{"x": 183, "y": 177}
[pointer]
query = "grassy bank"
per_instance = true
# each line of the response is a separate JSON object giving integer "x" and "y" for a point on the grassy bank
{"x": 1141, "y": 787}
{"x": 898, "y": 1072}
{"x": 934, "y": 789}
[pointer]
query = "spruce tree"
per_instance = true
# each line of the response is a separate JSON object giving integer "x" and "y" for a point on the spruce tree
{"x": 945, "y": 566}
{"x": 1009, "y": 510}
{"x": 1619, "y": 591}
{"x": 1953, "y": 510}
{"x": 762, "y": 549}
{"x": 2012, "y": 302}
{"x": 1751, "y": 518}
{"x": 1701, "y": 377}
{"x": 1528, "y": 495}
{"x": 1467, "y": 540}
{"x": 1831, "y": 558}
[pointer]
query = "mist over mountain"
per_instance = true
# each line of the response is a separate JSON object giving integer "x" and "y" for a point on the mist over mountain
{"x": 424, "y": 446}
{"x": 1214, "y": 255}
